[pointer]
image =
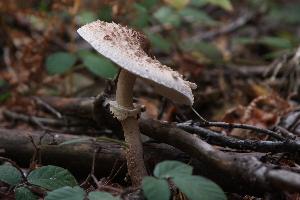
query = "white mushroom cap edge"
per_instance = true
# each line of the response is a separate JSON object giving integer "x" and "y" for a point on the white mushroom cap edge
{"x": 122, "y": 45}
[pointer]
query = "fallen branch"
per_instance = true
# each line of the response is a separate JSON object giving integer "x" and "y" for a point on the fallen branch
{"x": 78, "y": 157}
{"x": 247, "y": 168}
{"x": 40, "y": 121}
{"x": 85, "y": 105}
{"x": 291, "y": 146}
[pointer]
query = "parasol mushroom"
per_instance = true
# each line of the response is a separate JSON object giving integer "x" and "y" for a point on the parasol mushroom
{"x": 127, "y": 48}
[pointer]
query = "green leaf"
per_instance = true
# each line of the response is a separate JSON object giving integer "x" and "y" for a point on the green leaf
{"x": 60, "y": 62}
{"x": 178, "y": 4}
{"x": 105, "y": 13}
{"x": 167, "y": 16}
{"x": 276, "y": 42}
{"x": 172, "y": 168}
{"x": 271, "y": 41}
{"x": 5, "y": 96}
{"x": 2, "y": 82}
{"x": 66, "y": 193}
{"x": 159, "y": 42}
{"x": 149, "y": 3}
{"x": 197, "y": 187}
{"x": 10, "y": 175}
{"x": 225, "y": 4}
{"x": 85, "y": 17}
{"x": 198, "y": 3}
{"x": 102, "y": 196}
{"x": 156, "y": 189}
{"x": 75, "y": 141}
{"x": 23, "y": 193}
{"x": 207, "y": 49}
{"x": 81, "y": 53}
{"x": 51, "y": 177}
{"x": 142, "y": 18}
{"x": 285, "y": 13}
{"x": 99, "y": 65}
{"x": 195, "y": 15}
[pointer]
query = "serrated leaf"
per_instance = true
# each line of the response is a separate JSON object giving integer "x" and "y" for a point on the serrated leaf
{"x": 51, "y": 177}
{"x": 60, "y": 62}
{"x": 23, "y": 193}
{"x": 99, "y": 65}
{"x": 102, "y": 196}
{"x": 10, "y": 175}
{"x": 167, "y": 16}
{"x": 66, "y": 193}
{"x": 178, "y": 4}
{"x": 156, "y": 189}
{"x": 75, "y": 141}
{"x": 197, "y": 187}
{"x": 172, "y": 168}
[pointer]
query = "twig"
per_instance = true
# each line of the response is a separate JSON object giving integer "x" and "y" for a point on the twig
{"x": 285, "y": 132}
{"x": 242, "y": 126}
{"x": 292, "y": 146}
{"x": 48, "y": 121}
{"x": 226, "y": 29}
{"x": 48, "y": 107}
{"x": 233, "y": 26}
{"x": 206, "y": 123}
{"x": 112, "y": 175}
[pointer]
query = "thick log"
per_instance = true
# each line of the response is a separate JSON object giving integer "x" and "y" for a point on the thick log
{"x": 17, "y": 145}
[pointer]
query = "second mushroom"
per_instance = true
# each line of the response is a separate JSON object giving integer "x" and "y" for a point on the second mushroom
{"x": 127, "y": 48}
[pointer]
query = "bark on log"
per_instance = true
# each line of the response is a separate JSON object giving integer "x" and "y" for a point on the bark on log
{"x": 17, "y": 145}
{"x": 245, "y": 172}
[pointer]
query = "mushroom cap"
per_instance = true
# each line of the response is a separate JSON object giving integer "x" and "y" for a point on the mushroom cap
{"x": 125, "y": 47}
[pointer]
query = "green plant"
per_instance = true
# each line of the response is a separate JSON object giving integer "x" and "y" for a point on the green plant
{"x": 58, "y": 182}
{"x": 62, "y": 62}
{"x": 46, "y": 178}
{"x": 180, "y": 174}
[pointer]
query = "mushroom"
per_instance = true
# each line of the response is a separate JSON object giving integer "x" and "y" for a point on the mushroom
{"x": 127, "y": 48}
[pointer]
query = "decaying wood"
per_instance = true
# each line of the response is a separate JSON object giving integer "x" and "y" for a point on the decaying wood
{"x": 245, "y": 171}
{"x": 103, "y": 117}
{"x": 77, "y": 158}
{"x": 17, "y": 145}
{"x": 247, "y": 168}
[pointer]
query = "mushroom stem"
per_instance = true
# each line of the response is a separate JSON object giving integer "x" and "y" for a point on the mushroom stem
{"x": 134, "y": 153}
